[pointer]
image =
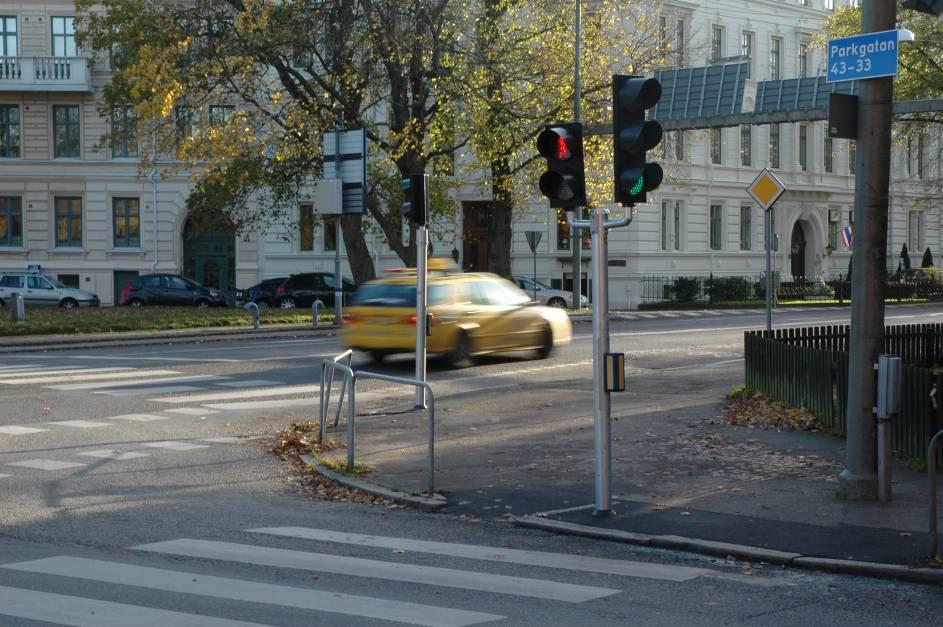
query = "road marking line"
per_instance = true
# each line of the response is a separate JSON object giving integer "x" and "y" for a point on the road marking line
{"x": 63, "y": 609}
{"x": 647, "y": 316}
{"x": 692, "y": 314}
{"x": 160, "y": 389}
{"x": 91, "y": 377}
{"x": 223, "y": 440}
{"x": 191, "y": 411}
{"x": 390, "y": 571}
{"x": 113, "y": 454}
{"x": 82, "y": 424}
{"x": 564, "y": 561}
{"x": 293, "y": 402}
{"x": 45, "y": 464}
{"x": 241, "y": 590}
{"x": 252, "y": 383}
{"x": 139, "y": 417}
{"x": 196, "y": 359}
{"x": 57, "y": 372}
{"x": 174, "y": 446}
{"x": 97, "y": 385}
{"x": 15, "y": 430}
{"x": 283, "y": 390}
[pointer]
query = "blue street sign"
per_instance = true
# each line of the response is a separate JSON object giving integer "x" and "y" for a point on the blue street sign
{"x": 869, "y": 55}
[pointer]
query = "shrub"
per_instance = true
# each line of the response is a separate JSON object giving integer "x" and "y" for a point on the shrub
{"x": 685, "y": 289}
{"x": 728, "y": 288}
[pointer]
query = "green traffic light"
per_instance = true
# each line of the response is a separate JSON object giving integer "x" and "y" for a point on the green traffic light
{"x": 638, "y": 187}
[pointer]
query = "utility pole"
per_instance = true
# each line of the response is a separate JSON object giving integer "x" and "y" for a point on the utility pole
{"x": 866, "y": 341}
{"x": 577, "y": 240}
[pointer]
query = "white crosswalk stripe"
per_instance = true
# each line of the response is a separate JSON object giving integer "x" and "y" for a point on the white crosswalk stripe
{"x": 282, "y": 390}
{"x": 98, "y": 376}
{"x": 98, "y": 385}
{"x": 390, "y": 571}
{"x": 30, "y": 375}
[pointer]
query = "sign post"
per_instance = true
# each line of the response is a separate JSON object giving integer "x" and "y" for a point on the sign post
{"x": 766, "y": 190}
{"x": 533, "y": 239}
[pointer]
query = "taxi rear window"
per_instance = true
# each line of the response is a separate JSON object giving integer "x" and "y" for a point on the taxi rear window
{"x": 386, "y": 295}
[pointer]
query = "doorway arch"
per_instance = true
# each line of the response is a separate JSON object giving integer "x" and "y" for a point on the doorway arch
{"x": 798, "y": 249}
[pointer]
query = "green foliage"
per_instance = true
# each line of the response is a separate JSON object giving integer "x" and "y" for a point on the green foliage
{"x": 685, "y": 289}
{"x": 117, "y": 319}
{"x": 927, "y": 261}
{"x": 728, "y": 288}
{"x": 739, "y": 392}
{"x": 904, "y": 258}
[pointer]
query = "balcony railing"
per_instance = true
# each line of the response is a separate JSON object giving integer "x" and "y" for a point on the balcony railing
{"x": 62, "y": 74}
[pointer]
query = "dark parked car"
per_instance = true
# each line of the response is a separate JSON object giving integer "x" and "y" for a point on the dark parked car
{"x": 301, "y": 290}
{"x": 263, "y": 293}
{"x": 169, "y": 289}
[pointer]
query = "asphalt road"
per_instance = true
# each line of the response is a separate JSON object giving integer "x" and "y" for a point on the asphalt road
{"x": 132, "y": 477}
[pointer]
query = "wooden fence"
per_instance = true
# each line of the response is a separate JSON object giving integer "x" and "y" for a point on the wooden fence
{"x": 809, "y": 368}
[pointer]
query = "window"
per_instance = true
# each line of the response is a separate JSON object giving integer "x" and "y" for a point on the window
{"x": 11, "y": 221}
{"x": 774, "y": 145}
{"x": 803, "y": 147}
{"x": 662, "y": 33}
{"x": 126, "y": 213}
{"x": 563, "y": 231}
{"x": 803, "y": 58}
{"x": 8, "y": 36}
{"x": 921, "y": 172}
{"x": 38, "y": 282}
{"x": 124, "y": 143}
{"x": 829, "y": 5}
{"x": 834, "y": 217}
{"x": 673, "y": 145}
{"x": 68, "y": 222}
{"x": 330, "y": 233}
{"x": 12, "y": 280}
{"x": 716, "y": 153}
{"x": 220, "y": 114}
{"x": 775, "y": 58}
{"x": 852, "y": 155}
{"x": 746, "y": 145}
{"x": 746, "y": 227}
{"x": 829, "y": 153}
{"x": 671, "y": 225}
{"x": 717, "y": 42}
{"x": 9, "y": 131}
{"x": 680, "y": 41}
{"x": 915, "y": 231}
{"x": 63, "y": 37}
{"x": 746, "y": 51}
{"x": 716, "y": 226}
{"x": 306, "y": 227}
{"x": 66, "y": 131}
{"x": 185, "y": 121}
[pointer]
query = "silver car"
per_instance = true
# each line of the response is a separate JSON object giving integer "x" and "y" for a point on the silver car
{"x": 43, "y": 291}
{"x": 547, "y": 295}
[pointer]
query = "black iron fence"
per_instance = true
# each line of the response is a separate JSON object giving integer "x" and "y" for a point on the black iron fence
{"x": 663, "y": 288}
{"x": 808, "y": 367}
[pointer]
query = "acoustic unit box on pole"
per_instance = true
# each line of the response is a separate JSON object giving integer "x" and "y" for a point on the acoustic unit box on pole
{"x": 888, "y": 402}
{"x": 614, "y": 372}
{"x": 328, "y": 197}
{"x": 842, "y": 116}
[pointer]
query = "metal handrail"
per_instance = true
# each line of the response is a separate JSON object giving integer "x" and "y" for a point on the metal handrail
{"x": 316, "y": 307}
{"x": 256, "y": 318}
{"x": 329, "y": 367}
{"x": 932, "y": 454}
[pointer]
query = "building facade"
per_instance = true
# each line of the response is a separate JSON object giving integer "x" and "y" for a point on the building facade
{"x": 86, "y": 214}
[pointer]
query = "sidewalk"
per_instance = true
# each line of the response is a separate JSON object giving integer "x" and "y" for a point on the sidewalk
{"x": 682, "y": 477}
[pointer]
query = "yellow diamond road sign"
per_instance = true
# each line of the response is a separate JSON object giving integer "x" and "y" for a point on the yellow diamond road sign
{"x": 766, "y": 189}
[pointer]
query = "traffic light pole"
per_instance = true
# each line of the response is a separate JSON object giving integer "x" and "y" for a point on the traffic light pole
{"x": 602, "y": 405}
{"x": 422, "y": 253}
{"x": 577, "y": 241}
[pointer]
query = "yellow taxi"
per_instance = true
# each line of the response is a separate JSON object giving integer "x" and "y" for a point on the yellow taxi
{"x": 472, "y": 314}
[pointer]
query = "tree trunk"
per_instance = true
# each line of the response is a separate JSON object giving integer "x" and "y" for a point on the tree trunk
{"x": 502, "y": 211}
{"x": 358, "y": 255}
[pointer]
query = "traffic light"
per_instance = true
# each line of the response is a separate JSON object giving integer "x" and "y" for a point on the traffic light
{"x": 632, "y": 135}
{"x": 564, "y": 182}
{"x": 417, "y": 198}
{"x": 933, "y": 7}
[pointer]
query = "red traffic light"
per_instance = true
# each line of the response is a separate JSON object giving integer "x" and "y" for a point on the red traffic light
{"x": 555, "y": 143}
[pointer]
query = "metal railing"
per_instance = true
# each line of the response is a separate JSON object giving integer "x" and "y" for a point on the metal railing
{"x": 317, "y": 307}
{"x": 328, "y": 369}
{"x": 256, "y": 317}
{"x": 932, "y": 455}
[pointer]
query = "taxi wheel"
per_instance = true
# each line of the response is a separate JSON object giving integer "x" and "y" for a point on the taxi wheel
{"x": 557, "y": 302}
{"x": 546, "y": 343}
{"x": 378, "y": 356}
{"x": 460, "y": 355}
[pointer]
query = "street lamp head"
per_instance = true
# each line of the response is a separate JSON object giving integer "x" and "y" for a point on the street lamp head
{"x": 904, "y": 34}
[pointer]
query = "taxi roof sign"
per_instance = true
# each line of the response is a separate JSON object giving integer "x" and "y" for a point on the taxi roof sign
{"x": 766, "y": 189}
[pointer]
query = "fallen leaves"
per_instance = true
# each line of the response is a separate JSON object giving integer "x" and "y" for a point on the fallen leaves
{"x": 763, "y": 412}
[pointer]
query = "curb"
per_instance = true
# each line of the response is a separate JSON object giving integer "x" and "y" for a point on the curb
{"x": 739, "y": 551}
{"x": 64, "y": 342}
{"x": 428, "y": 503}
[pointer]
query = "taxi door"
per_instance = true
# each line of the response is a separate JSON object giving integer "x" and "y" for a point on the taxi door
{"x": 488, "y": 308}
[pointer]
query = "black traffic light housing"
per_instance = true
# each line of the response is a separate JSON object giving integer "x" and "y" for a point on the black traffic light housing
{"x": 933, "y": 7}
{"x": 416, "y": 192}
{"x": 564, "y": 182}
{"x": 632, "y": 136}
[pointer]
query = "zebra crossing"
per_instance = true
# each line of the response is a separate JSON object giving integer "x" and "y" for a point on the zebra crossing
{"x": 188, "y": 574}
